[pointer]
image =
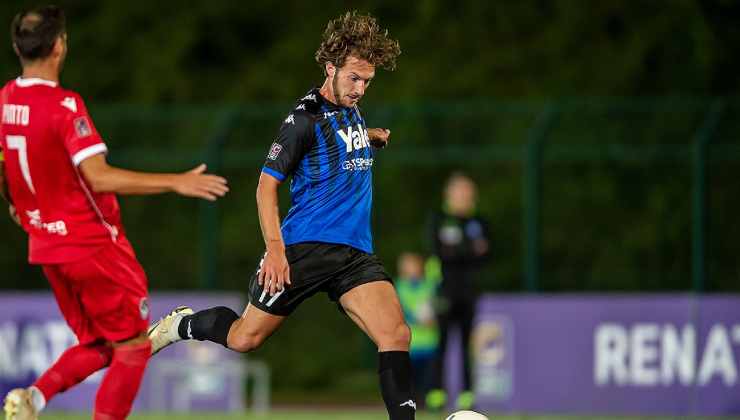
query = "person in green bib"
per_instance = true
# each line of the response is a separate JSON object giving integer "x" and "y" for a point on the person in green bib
{"x": 417, "y": 287}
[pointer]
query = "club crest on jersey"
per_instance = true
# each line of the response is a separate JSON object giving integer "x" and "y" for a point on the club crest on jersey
{"x": 70, "y": 103}
{"x": 274, "y": 151}
{"x": 82, "y": 127}
{"x": 144, "y": 308}
{"x": 354, "y": 138}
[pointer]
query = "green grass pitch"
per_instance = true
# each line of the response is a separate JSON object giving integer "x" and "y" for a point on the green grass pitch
{"x": 344, "y": 415}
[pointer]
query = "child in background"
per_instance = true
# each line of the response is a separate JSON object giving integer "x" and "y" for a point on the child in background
{"x": 417, "y": 291}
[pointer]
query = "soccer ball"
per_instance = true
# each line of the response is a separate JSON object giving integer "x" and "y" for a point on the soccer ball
{"x": 466, "y": 415}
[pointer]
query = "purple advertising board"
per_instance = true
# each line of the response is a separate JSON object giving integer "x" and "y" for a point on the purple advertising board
{"x": 606, "y": 354}
{"x": 33, "y": 335}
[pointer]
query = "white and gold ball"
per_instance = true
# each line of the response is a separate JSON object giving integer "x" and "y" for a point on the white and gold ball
{"x": 466, "y": 415}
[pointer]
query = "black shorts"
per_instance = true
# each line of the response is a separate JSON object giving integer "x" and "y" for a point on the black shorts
{"x": 318, "y": 267}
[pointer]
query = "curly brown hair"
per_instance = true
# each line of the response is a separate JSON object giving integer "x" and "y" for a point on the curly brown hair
{"x": 360, "y": 36}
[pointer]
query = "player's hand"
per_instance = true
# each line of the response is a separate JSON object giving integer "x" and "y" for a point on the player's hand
{"x": 379, "y": 137}
{"x": 196, "y": 183}
{"x": 14, "y": 215}
{"x": 274, "y": 275}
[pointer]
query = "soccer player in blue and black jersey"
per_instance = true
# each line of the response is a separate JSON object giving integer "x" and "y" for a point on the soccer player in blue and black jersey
{"x": 325, "y": 241}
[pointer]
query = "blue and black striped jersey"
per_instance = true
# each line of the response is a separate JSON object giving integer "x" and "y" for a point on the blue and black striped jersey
{"x": 326, "y": 150}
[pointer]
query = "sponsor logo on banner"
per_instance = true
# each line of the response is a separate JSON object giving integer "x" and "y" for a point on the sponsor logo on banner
{"x": 28, "y": 348}
{"x": 493, "y": 352}
{"x": 657, "y": 355}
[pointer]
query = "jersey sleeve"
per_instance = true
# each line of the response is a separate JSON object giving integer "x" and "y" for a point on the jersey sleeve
{"x": 80, "y": 137}
{"x": 294, "y": 140}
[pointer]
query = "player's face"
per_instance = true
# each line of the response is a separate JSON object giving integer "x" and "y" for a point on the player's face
{"x": 461, "y": 196}
{"x": 410, "y": 266}
{"x": 351, "y": 80}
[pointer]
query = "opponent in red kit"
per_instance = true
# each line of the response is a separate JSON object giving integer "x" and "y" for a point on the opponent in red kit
{"x": 62, "y": 192}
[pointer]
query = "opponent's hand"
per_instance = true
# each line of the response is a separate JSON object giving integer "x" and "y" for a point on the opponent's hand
{"x": 196, "y": 183}
{"x": 379, "y": 137}
{"x": 274, "y": 275}
{"x": 14, "y": 215}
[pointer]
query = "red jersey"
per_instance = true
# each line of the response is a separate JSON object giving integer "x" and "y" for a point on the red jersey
{"x": 45, "y": 133}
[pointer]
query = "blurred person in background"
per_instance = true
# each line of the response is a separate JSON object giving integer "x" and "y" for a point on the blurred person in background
{"x": 62, "y": 192}
{"x": 417, "y": 291}
{"x": 460, "y": 240}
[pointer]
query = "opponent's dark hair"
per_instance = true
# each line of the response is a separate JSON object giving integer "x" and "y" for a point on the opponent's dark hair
{"x": 35, "y": 31}
{"x": 360, "y": 36}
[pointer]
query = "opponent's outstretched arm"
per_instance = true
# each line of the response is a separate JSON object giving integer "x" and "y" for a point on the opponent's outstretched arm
{"x": 103, "y": 177}
{"x": 3, "y": 185}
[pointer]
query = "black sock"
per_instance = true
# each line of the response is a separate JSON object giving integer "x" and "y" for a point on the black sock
{"x": 212, "y": 325}
{"x": 396, "y": 384}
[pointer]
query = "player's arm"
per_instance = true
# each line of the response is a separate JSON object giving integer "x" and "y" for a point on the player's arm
{"x": 481, "y": 246}
{"x": 275, "y": 271}
{"x": 103, "y": 177}
{"x": 294, "y": 140}
{"x": 5, "y": 193}
{"x": 87, "y": 151}
{"x": 3, "y": 185}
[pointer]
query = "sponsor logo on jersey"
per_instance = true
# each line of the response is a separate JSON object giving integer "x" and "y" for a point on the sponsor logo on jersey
{"x": 309, "y": 97}
{"x": 53, "y": 228}
{"x": 301, "y": 107}
{"x": 328, "y": 115}
{"x": 70, "y": 103}
{"x": 82, "y": 127}
{"x": 290, "y": 119}
{"x": 274, "y": 151}
{"x": 354, "y": 138}
{"x": 358, "y": 164}
{"x": 451, "y": 234}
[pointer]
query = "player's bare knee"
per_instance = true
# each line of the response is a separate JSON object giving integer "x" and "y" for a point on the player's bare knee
{"x": 396, "y": 338}
{"x": 403, "y": 334}
{"x": 245, "y": 342}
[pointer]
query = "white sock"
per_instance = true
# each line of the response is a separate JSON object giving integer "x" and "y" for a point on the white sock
{"x": 37, "y": 399}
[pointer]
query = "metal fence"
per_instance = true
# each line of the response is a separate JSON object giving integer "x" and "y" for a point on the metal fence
{"x": 583, "y": 194}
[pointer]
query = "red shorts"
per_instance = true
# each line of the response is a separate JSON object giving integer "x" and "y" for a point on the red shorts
{"x": 103, "y": 297}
